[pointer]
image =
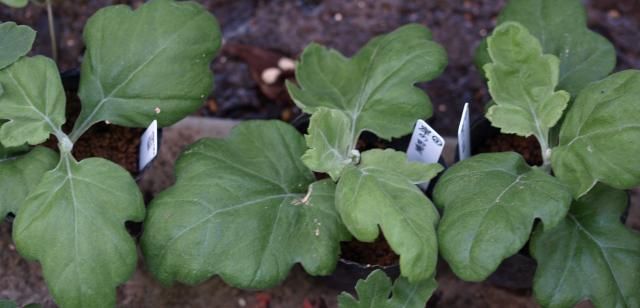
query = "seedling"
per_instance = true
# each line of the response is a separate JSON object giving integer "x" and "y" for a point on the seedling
{"x": 547, "y": 75}
{"x": 70, "y": 215}
{"x": 249, "y": 207}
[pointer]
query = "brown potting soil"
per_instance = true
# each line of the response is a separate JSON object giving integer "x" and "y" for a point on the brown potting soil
{"x": 527, "y": 147}
{"x": 375, "y": 253}
{"x": 112, "y": 142}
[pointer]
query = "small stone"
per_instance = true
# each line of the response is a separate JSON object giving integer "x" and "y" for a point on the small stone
{"x": 337, "y": 17}
{"x": 270, "y": 75}
{"x": 286, "y": 64}
{"x": 242, "y": 302}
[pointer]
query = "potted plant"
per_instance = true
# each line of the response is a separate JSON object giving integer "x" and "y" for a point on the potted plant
{"x": 547, "y": 75}
{"x": 249, "y": 207}
{"x": 139, "y": 66}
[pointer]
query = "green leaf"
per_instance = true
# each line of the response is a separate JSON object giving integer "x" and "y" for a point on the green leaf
{"x": 329, "y": 142}
{"x": 381, "y": 193}
{"x": 5, "y": 303}
{"x": 598, "y": 138}
{"x": 73, "y": 223}
{"x": 239, "y": 210}
{"x": 16, "y": 3}
{"x": 376, "y": 291}
{"x": 522, "y": 82}
{"x": 490, "y": 204}
{"x": 374, "y": 89}
{"x": 33, "y": 101}
{"x": 137, "y": 63}
{"x": 15, "y": 42}
{"x": 561, "y": 27}
{"x": 589, "y": 255}
{"x": 20, "y": 175}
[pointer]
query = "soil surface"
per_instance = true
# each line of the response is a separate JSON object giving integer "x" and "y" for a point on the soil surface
{"x": 274, "y": 29}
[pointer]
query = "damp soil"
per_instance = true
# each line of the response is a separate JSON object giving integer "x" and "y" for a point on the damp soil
{"x": 375, "y": 253}
{"x": 112, "y": 142}
{"x": 528, "y": 147}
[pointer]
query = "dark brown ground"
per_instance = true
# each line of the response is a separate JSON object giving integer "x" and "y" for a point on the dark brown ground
{"x": 286, "y": 27}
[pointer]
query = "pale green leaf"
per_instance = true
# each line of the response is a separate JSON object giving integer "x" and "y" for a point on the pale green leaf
{"x": 15, "y": 42}
{"x": 73, "y": 224}
{"x": 561, "y": 28}
{"x": 20, "y": 174}
{"x": 375, "y": 88}
{"x": 380, "y": 193}
{"x": 15, "y": 3}
{"x": 589, "y": 255}
{"x": 490, "y": 203}
{"x": 151, "y": 63}
{"x": 240, "y": 209}
{"x": 599, "y": 136}
{"x": 376, "y": 291}
{"x": 33, "y": 101}
{"x": 522, "y": 82}
{"x": 329, "y": 142}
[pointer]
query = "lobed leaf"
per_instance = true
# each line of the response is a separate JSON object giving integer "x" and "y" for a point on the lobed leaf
{"x": 21, "y": 174}
{"x": 33, "y": 101}
{"x": 522, "y": 82}
{"x": 490, "y": 203}
{"x": 376, "y": 291}
{"x": 381, "y": 193}
{"x": 329, "y": 142}
{"x": 375, "y": 88}
{"x": 239, "y": 210}
{"x": 561, "y": 28}
{"x": 15, "y": 41}
{"x": 599, "y": 136}
{"x": 589, "y": 255}
{"x": 73, "y": 224}
{"x": 138, "y": 63}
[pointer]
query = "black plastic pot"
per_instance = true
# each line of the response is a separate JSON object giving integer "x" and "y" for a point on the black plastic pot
{"x": 71, "y": 82}
{"x": 348, "y": 272}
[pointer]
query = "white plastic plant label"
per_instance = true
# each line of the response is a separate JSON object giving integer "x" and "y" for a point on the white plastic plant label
{"x": 464, "y": 134}
{"x": 148, "y": 145}
{"x": 426, "y": 145}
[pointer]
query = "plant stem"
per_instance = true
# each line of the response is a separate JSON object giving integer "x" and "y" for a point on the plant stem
{"x": 545, "y": 152}
{"x": 52, "y": 32}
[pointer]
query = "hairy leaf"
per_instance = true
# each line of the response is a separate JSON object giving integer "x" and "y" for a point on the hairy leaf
{"x": 151, "y": 63}
{"x": 561, "y": 27}
{"x": 20, "y": 174}
{"x": 33, "y": 101}
{"x": 589, "y": 255}
{"x": 522, "y": 82}
{"x": 15, "y": 42}
{"x": 239, "y": 210}
{"x": 381, "y": 193}
{"x": 599, "y": 136}
{"x": 73, "y": 223}
{"x": 329, "y": 142}
{"x": 376, "y": 291}
{"x": 374, "y": 89}
{"x": 490, "y": 203}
